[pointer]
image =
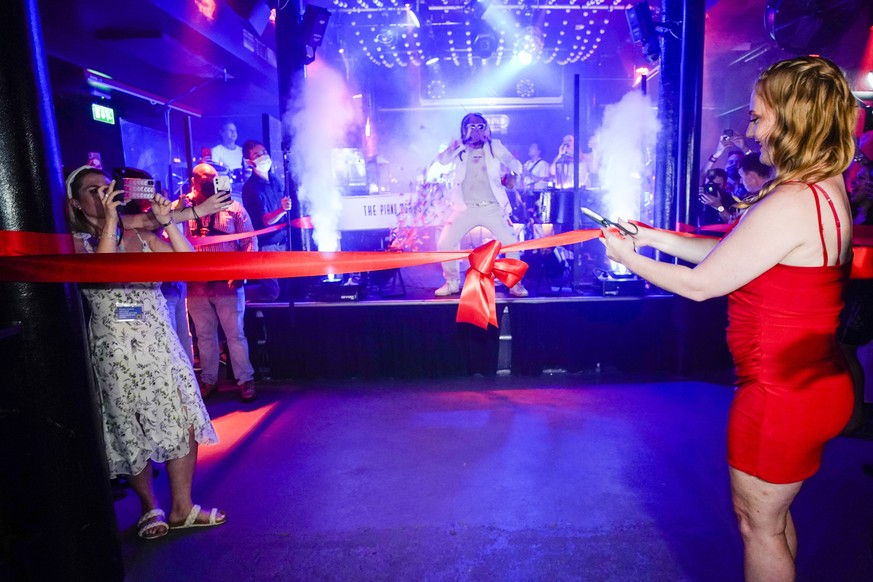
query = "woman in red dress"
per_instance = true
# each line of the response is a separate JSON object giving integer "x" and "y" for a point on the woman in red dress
{"x": 783, "y": 266}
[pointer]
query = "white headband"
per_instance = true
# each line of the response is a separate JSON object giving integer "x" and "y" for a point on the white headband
{"x": 69, "y": 181}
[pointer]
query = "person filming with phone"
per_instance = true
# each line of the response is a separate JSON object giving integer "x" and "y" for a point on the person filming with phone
{"x": 717, "y": 203}
{"x": 215, "y": 303}
{"x": 150, "y": 404}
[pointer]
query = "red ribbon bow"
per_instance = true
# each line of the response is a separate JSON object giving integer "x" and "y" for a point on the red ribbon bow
{"x": 477, "y": 304}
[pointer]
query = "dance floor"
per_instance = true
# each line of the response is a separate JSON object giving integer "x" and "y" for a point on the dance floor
{"x": 580, "y": 476}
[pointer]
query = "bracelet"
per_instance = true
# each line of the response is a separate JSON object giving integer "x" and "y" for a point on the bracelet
{"x": 194, "y": 210}
{"x": 165, "y": 225}
{"x": 713, "y": 158}
{"x": 109, "y": 236}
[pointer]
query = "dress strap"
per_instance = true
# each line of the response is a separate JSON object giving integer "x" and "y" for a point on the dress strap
{"x": 815, "y": 191}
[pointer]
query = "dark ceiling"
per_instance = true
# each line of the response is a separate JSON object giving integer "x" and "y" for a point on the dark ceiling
{"x": 168, "y": 47}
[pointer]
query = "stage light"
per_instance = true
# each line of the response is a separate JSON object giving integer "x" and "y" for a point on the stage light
{"x": 641, "y": 73}
{"x": 312, "y": 28}
{"x": 528, "y": 45}
{"x": 483, "y": 45}
{"x": 412, "y": 20}
{"x": 387, "y": 36}
{"x": 870, "y": 79}
{"x": 436, "y": 89}
{"x": 643, "y": 31}
{"x": 477, "y": 8}
{"x": 525, "y": 88}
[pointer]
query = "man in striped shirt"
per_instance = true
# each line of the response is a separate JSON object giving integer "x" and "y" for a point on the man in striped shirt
{"x": 215, "y": 303}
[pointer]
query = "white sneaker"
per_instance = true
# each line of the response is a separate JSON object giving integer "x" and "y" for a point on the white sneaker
{"x": 448, "y": 288}
{"x": 518, "y": 290}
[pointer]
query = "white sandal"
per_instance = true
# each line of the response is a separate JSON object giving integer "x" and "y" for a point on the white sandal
{"x": 145, "y": 524}
{"x": 191, "y": 520}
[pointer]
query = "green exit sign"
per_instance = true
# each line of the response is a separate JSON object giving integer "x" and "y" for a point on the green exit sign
{"x": 103, "y": 114}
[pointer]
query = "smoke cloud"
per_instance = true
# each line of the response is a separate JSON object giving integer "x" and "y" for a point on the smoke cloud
{"x": 320, "y": 120}
{"x": 625, "y": 140}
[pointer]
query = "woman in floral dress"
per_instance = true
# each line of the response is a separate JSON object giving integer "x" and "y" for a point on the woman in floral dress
{"x": 149, "y": 398}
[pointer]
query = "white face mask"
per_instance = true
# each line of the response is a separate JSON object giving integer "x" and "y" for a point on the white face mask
{"x": 263, "y": 164}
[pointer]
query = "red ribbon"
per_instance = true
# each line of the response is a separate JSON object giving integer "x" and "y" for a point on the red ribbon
{"x": 36, "y": 257}
{"x": 199, "y": 241}
{"x": 137, "y": 267}
{"x": 478, "y": 305}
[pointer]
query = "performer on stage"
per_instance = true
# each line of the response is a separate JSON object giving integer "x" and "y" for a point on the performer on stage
{"x": 537, "y": 173}
{"x": 227, "y": 153}
{"x": 784, "y": 266}
{"x": 478, "y": 199}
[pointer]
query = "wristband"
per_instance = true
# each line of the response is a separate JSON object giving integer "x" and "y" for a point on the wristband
{"x": 194, "y": 210}
{"x": 165, "y": 225}
{"x": 713, "y": 158}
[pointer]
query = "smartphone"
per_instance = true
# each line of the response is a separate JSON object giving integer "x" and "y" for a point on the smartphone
{"x": 222, "y": 184}
{"x": 605, "y": 222}
{"x": 137, "y": 188}
{"x": 729, "y": 133}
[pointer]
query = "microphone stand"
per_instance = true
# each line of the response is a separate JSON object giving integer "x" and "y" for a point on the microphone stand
{"x": 286, "y": 164}
{"x": 167, "y": 106}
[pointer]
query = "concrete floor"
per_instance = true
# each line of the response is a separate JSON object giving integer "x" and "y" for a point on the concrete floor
{"x": 568, "y": 477}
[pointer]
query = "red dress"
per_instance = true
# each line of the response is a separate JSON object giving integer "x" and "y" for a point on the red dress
{"x": 794, "y": 392}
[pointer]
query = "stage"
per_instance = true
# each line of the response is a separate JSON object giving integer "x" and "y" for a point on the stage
{"x": 398, "y": 329}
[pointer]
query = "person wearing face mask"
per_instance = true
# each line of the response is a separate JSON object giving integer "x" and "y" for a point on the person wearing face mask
{"x": 212, "y": 303}
{"x": 264, "y": 197}
{"x": 478, "y": 198}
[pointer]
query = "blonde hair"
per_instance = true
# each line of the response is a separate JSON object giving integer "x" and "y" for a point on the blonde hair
{"x": 815, "y": 113}
{"x": 75, "y": 217}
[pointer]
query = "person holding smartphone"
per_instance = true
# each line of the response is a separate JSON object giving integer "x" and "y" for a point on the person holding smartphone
{"x": 479, "y": 198}
{"x": 783, "y": 267}
{"x": 151, "y": 409}
{"x": 735, "y": 147}
{"x": 215, "y": 303}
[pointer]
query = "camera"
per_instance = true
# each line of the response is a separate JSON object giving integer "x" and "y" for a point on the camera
{"x": 710, "y": 188}
{"x": 729, "y": 133}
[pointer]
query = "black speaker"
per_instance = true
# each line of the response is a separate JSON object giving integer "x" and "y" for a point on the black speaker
{"x": 314, "y": 24}
{"x": 260, "y": 17}
{"x": 642, "y": 29}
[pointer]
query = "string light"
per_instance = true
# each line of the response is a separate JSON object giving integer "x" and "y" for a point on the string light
{"x": 569, "y": 31}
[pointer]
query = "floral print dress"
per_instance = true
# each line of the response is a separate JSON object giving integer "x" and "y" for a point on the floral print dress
{"x": 148, "y": 394}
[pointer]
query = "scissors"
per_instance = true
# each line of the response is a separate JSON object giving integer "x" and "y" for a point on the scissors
{"x": 605, "y": 222}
